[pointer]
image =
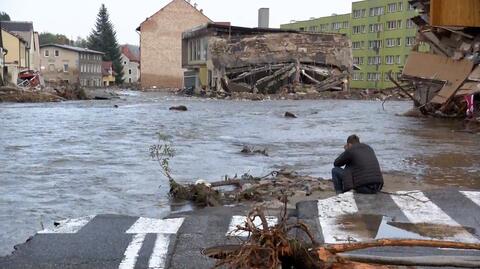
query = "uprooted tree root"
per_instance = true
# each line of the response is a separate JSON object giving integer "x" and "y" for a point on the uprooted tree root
{"x": 276, "y": 247}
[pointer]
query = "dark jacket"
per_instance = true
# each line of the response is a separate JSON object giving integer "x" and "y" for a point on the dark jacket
{"x": 361, "y": 167}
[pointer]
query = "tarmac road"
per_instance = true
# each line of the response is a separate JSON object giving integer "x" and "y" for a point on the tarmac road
{"x": 125, "y": 242}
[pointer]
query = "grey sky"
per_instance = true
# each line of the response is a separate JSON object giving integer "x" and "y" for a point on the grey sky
{"x": 77, "y": 17}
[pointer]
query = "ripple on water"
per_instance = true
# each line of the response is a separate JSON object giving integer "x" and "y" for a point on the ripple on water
{"x": 73, "y": 159}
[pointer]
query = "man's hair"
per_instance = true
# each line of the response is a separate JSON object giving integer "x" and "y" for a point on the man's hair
{"x": 353, "y": 139}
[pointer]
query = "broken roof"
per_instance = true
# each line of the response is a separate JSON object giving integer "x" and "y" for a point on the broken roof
{"x": 237, "y": 30}
{"x": 72, "y": 48}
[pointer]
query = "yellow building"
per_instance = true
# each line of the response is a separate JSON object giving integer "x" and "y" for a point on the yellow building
{"x": 17, "y": 57}
{"x": 108, "y": 75}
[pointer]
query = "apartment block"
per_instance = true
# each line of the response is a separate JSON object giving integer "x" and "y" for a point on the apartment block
{"x": 382, "y": 36}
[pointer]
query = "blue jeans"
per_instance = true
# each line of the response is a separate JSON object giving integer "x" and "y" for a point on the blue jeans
{"x": 338, "y": 174}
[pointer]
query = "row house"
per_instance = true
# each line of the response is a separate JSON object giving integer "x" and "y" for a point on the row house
{"x": 15, "y": 55}
{"x": 71, "y": 65}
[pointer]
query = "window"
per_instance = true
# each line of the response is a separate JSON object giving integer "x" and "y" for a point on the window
{"x": 336, "y": 25}
{"x": 410, "y": 41}
{"x": 124, "y": 62}
{"x": 357, "y": 45}
{"x": 410, "y": 24}
{"x": 358, "y": 60}
{"x": 375, "y": 44}
{"x": 313, "y": 29}
{"x": 375, "y": 28}
{"x": 374, "y": 76}
{"x": 324, "y": 27}
{"x": 57, "y": 53}
{"x": 129, "y": 80}
{"x": 359, "y": 13}
{"x": 359, "y": 29}
{"x": 129, "y": 71}
{"x": 400, "y": 6}
{"x": 65, "y": 68}
{"x": 392, "y": 8}
{"x": 392, "y": 25}
{"x": 392, "y": 42}
{"x": 357, "y": 76}
{"x": 375, "y": 60}
{"x": 390, "y": 59}
{"x": 399, "y": 59}
{"x": 46, "y": 53}
{"x": 346, "y": 25}
{"x": 376, "y": 11}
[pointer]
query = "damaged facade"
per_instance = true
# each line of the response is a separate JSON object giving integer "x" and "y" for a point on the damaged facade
{"x": 447, "y": 79}
{"x": 229, "y": 59}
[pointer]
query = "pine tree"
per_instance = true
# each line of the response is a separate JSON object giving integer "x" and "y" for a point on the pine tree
{"x": 104, "y": 38}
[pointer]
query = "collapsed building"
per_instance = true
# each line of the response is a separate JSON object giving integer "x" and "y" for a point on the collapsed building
{"x": 224, "y": 58}
{"x": 447, "y": 79}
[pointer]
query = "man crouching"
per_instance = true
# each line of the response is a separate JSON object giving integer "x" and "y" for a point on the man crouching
{"x": 362, "y": 170}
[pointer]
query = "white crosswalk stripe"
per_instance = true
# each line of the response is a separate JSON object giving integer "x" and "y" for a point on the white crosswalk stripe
{"x": 474, "y": 196}
{"x": 240, "y": 220}
{"x": 162, "y": 228}
{"x": 329, "y": 210}
{"x": 417, "y": 207}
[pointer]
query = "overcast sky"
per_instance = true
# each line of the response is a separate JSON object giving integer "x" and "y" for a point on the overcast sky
{"x": 77, "y": 17}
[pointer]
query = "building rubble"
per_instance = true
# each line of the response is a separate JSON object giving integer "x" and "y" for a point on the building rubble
{"x": 228, "y": 59}
{"x": 447, "y": 79}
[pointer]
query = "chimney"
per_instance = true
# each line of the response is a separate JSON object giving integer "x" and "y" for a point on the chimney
{"x": 263, "y": 17}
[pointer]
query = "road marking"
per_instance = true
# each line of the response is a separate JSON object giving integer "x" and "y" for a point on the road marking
{"x": 143, "y": 226}
{"x": 472, "y": 195}
{"x": 160, "y": 250}
{"x": 328, "y": 212}
{"x": 240, "y": 220}
{"x": 155, "y": 226}
{"x": 419, "y": 209}
{"x": 131, "y": 253}
{"x": 68, "y": 226}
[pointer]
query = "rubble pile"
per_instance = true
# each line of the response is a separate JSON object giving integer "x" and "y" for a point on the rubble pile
{"x": 248, "y": 188}
{"x": 447, "y": 79}
{"x": 268, "y": 62}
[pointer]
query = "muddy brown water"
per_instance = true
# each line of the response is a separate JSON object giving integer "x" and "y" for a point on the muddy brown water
{"x": 71, "y": 159}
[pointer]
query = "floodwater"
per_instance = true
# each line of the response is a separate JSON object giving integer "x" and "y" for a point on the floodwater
{"x": 73, "y": 159}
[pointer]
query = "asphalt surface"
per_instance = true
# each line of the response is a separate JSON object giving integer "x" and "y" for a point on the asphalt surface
{"x": 124, "y": 242}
